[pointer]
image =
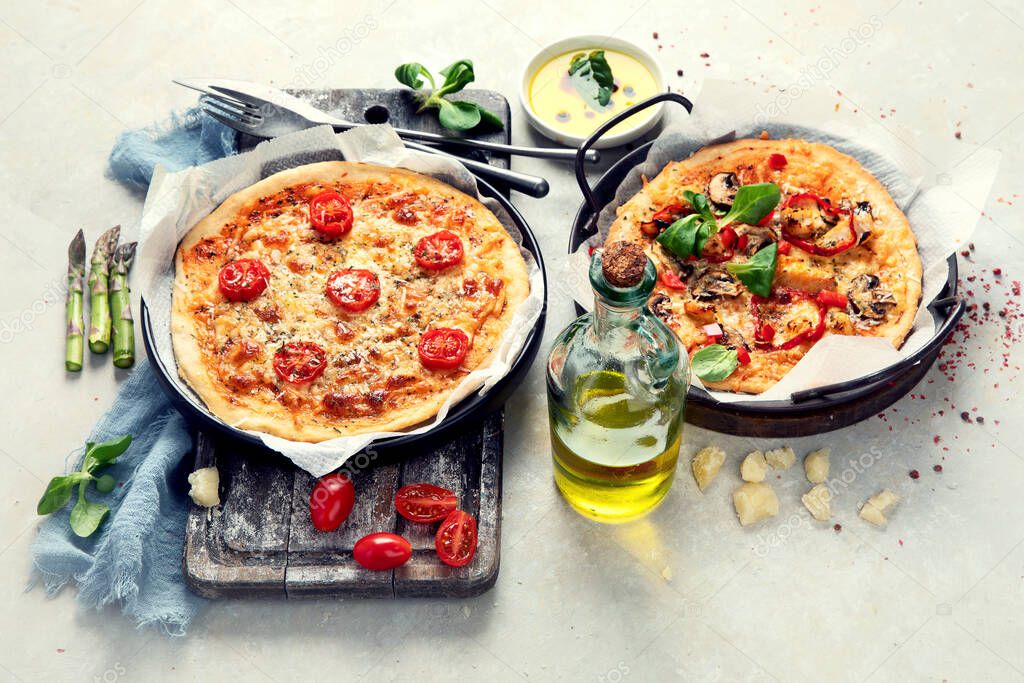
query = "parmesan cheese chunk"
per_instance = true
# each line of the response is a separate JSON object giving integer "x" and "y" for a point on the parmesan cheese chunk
{"x": 205, "y": 484}
{"x": 816, "y": 466}
{"x": 780, "y": 458}
{"x": 754, "y": 467}
{"x": 706, "y": 465}
{"x": 876, "y": 507}
{"x": 818, "y": 502}
{"x": 755, "y": 501}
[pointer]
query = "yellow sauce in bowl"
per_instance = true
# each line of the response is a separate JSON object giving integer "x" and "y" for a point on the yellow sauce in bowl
{"x": 555, "y": 100}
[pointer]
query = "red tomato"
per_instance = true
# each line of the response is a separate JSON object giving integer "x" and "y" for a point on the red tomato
{"x": 300, "y": 362}
{"x": 766, "y": 333}
{"x": 382, "y": 551}
{"x": 439, "y": 251}
{"x": 767, "y": 218}
{"x": 670, "y": 279}
{"x": 425, "y": 502}
{"x": 443, "y": 348}
{"x": 456, "y": 539}
{"x": 784, "y": 247}
{"x": 777, "y": 162}
{"x": 743, "y": 356}
{"x": 243, "y": 280}
{"x": 330, "y": 214}
{"x": 729, "y": 237}
{"x": 353, "y": 289}
{"x": 331, "y": 501}
{"x": 832, "y": 299}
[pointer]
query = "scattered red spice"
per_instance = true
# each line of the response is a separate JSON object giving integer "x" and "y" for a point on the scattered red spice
{"x": 60, "y": 650}
{"x": 654, "y": 35}
{"x": 679, "y": 72}
{"x": 997, "y": 271}
{"x": 838, "y": 527}
{"x": 914, "y": 474}
{"x": 704, "y": 55}
{"x": 937, "y": 468}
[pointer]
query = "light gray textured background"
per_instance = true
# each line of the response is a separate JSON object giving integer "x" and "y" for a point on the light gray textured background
{"x": 685, "y": 593}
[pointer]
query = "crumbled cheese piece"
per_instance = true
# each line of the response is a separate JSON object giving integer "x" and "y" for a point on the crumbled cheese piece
{"x": 816, "y": 466}
{"x": 817, "y": 501}
{"x": 780, "y": 458}
{"x": 754, "y": 467}
{"x": 205, "y": 484}
{"x": 755, "y": 501}
{"x": 876, "y": 507}
{"x": 706, "y": 464}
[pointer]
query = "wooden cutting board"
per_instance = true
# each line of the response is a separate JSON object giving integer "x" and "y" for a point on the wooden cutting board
{"x": 260, "y": 541}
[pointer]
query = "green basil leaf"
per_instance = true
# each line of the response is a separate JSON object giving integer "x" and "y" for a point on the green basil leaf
{"x": 680, "y": 237}
{"x": 58, "y": 492}
{"x": 458, "y": 115}
{"x": 704, "y": 232}
{"x": 86, "y": 516}
{"x": 410, "y": 75}
{"x": 491, "y": 119}
{"x": 592, "y": 78}
{"x": 701, "y": 204}
{"x": 714, "y": 362}
{"x": 759, "y": 272}
{"x": 457, "y": 76}
{"x": 752, "y": 203}
{"x": 99, "y": 454}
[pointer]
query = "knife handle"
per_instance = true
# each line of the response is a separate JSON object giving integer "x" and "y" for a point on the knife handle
{"x": 531, "y": 185}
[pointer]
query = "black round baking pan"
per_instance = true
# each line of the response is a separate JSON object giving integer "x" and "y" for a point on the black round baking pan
{"x": 808, "y": 412}
{"x": 467, "y": 414}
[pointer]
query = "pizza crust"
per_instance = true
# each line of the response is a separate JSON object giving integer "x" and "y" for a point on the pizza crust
{"x": 193, "y": 363}
{"x": 891, "y": 252}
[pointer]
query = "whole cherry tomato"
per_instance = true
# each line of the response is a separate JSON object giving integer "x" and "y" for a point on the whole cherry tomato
{"x": 353, "y": 289}
{"x": 425, "y": 502}
{"x": 300, "y": 362}
{"x": 443, "y": 348}
{"x": 439, "y": 250}
{"x": 330, "y": 214}
{"x": 382, "y": 551}
{"x": 456, "y": 539}
{"x": 243, "y": 280}
{"x": 331, "y": 501}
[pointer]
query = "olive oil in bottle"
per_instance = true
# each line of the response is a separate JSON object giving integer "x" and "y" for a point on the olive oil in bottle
{"x": 617, "y": 384}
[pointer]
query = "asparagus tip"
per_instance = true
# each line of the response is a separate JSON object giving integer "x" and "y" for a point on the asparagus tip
{"x": 76, "y": 250}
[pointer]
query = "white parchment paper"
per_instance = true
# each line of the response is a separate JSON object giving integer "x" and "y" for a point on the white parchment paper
{"x": 941, "y": 190}
{"x": 177, "y": 201}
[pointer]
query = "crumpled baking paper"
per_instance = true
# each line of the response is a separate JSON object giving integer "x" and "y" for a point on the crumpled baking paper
{"x": 177, "y": 201}
{"x": 941, "y": 189}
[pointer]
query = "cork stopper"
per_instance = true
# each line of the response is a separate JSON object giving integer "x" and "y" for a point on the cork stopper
{"x": 623, "y": 264}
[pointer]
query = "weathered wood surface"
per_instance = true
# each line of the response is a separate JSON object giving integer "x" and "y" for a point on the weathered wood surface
{"x": 260, "y": 541}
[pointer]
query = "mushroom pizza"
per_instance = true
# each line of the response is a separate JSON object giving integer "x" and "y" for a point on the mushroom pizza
{"x": 763, "y": 247}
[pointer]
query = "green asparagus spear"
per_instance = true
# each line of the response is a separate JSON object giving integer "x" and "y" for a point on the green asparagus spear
{"x": 75, "y": 347}
{"x": 120, "y": 305}
{"x": 99, "y": 272}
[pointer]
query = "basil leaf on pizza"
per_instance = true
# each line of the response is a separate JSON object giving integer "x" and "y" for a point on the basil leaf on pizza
{"x": 752, "y": 203}
{"x": 714, "y": 362}
{"x": 759, "y": 272}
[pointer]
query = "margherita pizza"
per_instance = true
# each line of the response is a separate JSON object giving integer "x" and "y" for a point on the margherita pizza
{"x": 765, "y": 246}
{"x": 340, "y": 298}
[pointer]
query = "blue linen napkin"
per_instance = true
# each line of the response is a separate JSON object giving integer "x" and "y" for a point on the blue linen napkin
{"x": 134, "y": 558}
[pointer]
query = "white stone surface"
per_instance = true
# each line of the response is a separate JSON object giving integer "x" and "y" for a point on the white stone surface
{"x": 684, "y": 594}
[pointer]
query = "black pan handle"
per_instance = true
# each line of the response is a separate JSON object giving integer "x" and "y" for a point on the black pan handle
{"x": 581, "y": 153}
{"x": 940, "y": 337}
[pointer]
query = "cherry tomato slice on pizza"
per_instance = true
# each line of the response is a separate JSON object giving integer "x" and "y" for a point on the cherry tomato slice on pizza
{"x": 331, "y": 501}
{"x": 456, "y": 539}
{"x": 243, "y": 280}
{"x": 443, "y": 348}
{"x": 300, "y": 362}
{"x": 382, "y": 551}
{"x": 425, "y": 502}
{"x": 353, "y": 289}
{"x": 439, "y": 250}
{"x": 330, "y": 214}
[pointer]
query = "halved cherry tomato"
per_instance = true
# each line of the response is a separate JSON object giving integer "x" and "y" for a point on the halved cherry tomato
{"x": 330, "y": 214}
{"x": 425, "y": 502}
{"x": 729, "y": 237}
{"x": 785, "y": 247}
{"x": 331, "y": 501}
{"x": 439, "y": 251}
{"x": 832, "y": 299}
{"x": 300, "y": 362}
{"x": 353, "y": 289}
{"x": 456, "y": 539}
{"x": 742, "y": 242}
{"x": 243, "y": 280}
{"x": 742, "y": 355}
{"x": 777, "y": 162}
{"x": 670, "y": 279}
{"x": 443, "y": 348}
{"x": 382, "y": 551}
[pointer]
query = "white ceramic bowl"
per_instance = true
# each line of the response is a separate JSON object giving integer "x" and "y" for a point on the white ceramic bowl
{"x": 590, "y": 42}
